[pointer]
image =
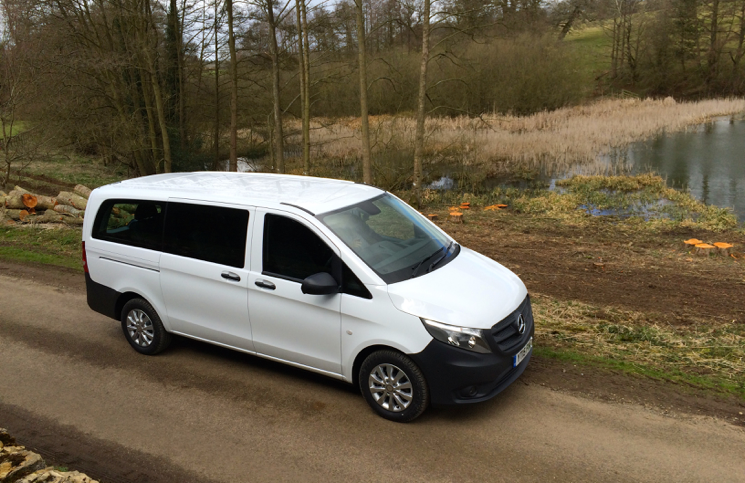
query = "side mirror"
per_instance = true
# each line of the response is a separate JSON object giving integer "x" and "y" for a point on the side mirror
{"x": 320, "y": 284}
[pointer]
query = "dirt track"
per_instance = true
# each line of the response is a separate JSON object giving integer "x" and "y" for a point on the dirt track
{"x": 73, "y": 389}
{"x": 606, "y": 264}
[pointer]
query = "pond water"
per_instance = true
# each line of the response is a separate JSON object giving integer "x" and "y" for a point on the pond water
{"x": 709, "y": 161}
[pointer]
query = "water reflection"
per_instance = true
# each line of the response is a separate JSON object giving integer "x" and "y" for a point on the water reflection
{"x": 709, "y": 161}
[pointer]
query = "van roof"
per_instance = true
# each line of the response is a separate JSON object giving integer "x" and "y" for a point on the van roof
{"x": 318, "y": 195}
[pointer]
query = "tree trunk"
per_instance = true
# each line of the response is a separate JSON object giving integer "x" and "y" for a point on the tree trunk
{"x": 29, "y": 201}
{"x": 144, "y": 164}
{"x": 159, "y": 106}
{"x": 181, "y": 100}
{"x": 68, "y": 210}
{"x": 713, "y": 57}
{"x": 421, "y": 98}
{"x": 301, "y": 74}
{"x": 306, "y": 97}
{"x": 71, "y": 199}
{"x": 45, "y": 202}
{"x": 233, "y": 163}
{"x": 216, "y": 136}
{"x": 278, "y": 134}
{"x": 145, "y": 77}
{"x": 167, "y": 161}
{"x": 570, "y": 21}
{"x": 362, "y": 59}
{"x": 14, "y": 201}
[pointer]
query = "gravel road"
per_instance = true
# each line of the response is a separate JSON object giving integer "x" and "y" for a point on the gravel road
{"x": 73, "y": 389}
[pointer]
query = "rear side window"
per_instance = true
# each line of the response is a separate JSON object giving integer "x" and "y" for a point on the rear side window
{"x": 210, "y": 233}
{"x": 292, "y": 250}
{"x": 137, "y": 223}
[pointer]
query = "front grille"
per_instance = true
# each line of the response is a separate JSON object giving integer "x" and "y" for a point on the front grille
{"x": 505, "y": 335}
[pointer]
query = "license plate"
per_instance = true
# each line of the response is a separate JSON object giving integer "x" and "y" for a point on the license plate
{"x": 518, "y": 358}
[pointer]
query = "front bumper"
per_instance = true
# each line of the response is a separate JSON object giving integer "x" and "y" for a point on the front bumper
{"x": 457, "y": 376}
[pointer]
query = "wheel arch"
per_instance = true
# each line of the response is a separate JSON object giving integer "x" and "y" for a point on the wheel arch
{"x": 122, "y": 301}
{"x": 362, "y": 355}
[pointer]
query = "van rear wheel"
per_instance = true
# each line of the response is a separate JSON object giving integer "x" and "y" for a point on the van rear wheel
{"x": 143, "y": 329}
{"x": 394, "y": 386}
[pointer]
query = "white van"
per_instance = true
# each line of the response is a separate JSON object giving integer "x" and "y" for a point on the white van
{"x": 335, "y": 277}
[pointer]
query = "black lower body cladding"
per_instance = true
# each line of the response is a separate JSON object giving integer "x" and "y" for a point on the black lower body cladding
{"x": 101, "y": 298}
{"x": 457, "y": 376}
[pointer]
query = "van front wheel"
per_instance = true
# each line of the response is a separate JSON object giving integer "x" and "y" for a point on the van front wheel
{"x": 143, "y": 329}
{"x": 393, "y": 386}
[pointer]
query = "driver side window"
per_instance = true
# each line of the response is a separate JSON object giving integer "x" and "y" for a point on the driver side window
{"x": 293, "y": 251}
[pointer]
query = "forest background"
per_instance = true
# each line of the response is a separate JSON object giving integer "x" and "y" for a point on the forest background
{"x": 180, "y": 85}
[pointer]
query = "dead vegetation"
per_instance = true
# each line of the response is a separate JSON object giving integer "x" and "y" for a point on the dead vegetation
{"x": 702, "y": 347}
{"x": 553, "y": 141}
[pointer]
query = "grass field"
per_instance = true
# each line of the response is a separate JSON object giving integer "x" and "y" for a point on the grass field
{"x": 18, "y": 127}
{"x": 593, "y": 45}
{"x": 49, "y": 246}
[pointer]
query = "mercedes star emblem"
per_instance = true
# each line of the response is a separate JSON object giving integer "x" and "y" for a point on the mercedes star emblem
{"x": 520, "y": 324}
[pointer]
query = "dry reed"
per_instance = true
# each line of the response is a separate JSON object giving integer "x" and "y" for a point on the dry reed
{"x": 554, "y": 141}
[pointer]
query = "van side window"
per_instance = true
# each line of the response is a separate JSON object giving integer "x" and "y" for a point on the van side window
{"x": 210, "y": 233}
{"x": 130, "y": 222}
{"x": 291, "y": 250}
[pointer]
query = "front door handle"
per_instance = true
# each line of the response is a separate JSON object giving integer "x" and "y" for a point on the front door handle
{"x": 231, "y": 276}
{"x": 265, "y": 284}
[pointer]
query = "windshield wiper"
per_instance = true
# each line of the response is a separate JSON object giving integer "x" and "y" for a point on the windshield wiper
{"x": 444, "y": 255}
{"x": 415, "y": 269}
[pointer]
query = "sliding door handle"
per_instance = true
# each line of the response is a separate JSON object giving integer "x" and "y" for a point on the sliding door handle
{"x": 265, "y": 284}
{"x": 231, "y": 276}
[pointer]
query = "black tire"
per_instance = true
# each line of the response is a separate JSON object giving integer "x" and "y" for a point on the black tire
{"x": 390, "y": 400}
{"x": 143, "y": 329}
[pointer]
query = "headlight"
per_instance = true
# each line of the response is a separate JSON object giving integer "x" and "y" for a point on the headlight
{"x": 461, "y": 337}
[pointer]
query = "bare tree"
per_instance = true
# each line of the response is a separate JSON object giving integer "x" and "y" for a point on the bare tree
{"x": 216, "y": 132}
{"x": 303, "y": 83}
{"x": 233, "y": 163}
{"x": 306, "y": 87}
{"x": 364, "y": 122}
{"x": 421, "y": 99}
{"x": 273, "y": 20}
{"x": 20, "y": 143}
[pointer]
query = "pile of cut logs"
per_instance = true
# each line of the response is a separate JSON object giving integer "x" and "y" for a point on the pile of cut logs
{"x": 21, "y": 205}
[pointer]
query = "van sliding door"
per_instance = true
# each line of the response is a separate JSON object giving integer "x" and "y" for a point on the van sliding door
{"x": 204, "y": 271}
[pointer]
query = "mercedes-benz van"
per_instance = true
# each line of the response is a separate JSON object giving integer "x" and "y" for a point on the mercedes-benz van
{"x": 336, "y": 277}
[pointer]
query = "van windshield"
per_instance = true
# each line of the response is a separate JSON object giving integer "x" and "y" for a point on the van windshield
{"x": 391, "y": 237}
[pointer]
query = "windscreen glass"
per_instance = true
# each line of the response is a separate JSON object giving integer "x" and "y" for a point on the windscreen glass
{"x": 391, "y": 238}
